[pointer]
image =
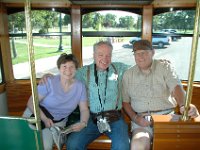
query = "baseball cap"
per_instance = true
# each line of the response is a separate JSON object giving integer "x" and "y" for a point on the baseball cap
{"x": 142, "y": 45}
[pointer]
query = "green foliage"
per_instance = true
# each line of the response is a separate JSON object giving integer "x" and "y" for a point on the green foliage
{"x": 126, "y": 22}
{"x": 100, "y": 22}
{"x": 97, "y": 21}
{"x": 87, "y": 20}
{"x": 66, "y": 20}
{"x": 182, "y": 20}
{"x": 16, "y": 22}
{"x": 42, "y": 31}
{"x": 44, "y": 21}
{"x": 109, "y": 20}
{"x": 138, "y": 23}
{"x": 40, "y": 20}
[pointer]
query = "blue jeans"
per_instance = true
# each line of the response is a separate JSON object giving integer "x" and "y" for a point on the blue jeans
{"x": 118, "y": 135}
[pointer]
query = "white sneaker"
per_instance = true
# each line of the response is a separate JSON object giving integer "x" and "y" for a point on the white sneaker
{"x": 58, "y": 137}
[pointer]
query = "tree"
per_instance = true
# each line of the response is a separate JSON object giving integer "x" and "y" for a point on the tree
{"x": 16, "y": 22}
{"x": 66, "y": 20}
{"x": 138, "y": 23}
{"x": 126, "y": 22}
{"x": 158, "y": 22}
{"x": 109, "y": 20}
{"x": 97, "y": 22}
{"x": 186, "y": 20}
{"x": 45, "y": 19}
{"x": 182, "y": 20}
{"x": 87, "y": 20}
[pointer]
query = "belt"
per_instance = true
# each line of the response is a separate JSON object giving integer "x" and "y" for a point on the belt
{"x": 111, "y": 115}
{"x": 161, "y": 112}
{"x": 55, "y": 121}
{"x": 106, "y": 112}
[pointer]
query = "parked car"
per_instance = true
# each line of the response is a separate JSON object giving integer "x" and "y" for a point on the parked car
{"x": 172, "y": 33}
{"x": 158, "y": 40}
{"x": 169, "y": 30}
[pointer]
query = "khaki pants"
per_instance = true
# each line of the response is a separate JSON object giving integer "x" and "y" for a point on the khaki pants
{"x": 46, "y": 132}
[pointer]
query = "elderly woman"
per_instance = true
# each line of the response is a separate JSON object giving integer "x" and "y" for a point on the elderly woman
{"x": 58, "y": 98}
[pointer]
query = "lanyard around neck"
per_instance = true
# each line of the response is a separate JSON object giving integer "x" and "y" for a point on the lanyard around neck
{"x": 97, "y": 83}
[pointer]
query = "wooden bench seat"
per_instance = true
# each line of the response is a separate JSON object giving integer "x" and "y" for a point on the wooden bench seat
{"x": 101, "y": 143}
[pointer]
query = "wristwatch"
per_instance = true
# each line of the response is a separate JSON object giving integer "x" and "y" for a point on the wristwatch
{"x": 83, "y": 122}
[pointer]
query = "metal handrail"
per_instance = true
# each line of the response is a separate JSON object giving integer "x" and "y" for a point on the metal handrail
{"x": 37, "y": 119}
{"x": 192, "y": 63}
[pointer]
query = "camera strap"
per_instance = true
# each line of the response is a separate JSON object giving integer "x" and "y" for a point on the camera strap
{"x": 96, "y": 80}
{"x": 97, "y": 83}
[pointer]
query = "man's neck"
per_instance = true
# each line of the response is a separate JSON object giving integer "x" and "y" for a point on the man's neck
{"x": 145, "y": 71}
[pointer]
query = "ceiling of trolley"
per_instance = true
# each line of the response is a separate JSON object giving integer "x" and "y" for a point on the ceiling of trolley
{"x": 89, "y": 2}
{"x": 111, "y": 1}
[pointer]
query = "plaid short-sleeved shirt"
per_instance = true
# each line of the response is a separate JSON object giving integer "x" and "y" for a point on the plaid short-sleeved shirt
{"x": 104, "y": 96}
{"x": 152, "y": 91}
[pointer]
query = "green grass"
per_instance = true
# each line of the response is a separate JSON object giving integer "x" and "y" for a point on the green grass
{"x": 40, "y": 52}
{"x": 43, "y": 48}
{"x": 47, "y": 47}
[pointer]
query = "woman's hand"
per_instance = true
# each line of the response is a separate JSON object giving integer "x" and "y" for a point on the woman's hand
{"x": 78, "y": 126}
{"x": 48, "y": 122}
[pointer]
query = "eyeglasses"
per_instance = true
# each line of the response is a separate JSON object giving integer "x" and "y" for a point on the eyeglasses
{"x": 141, "y": 52}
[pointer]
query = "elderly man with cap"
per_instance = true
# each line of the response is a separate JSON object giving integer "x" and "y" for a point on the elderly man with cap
{"x": 150, "y": 87}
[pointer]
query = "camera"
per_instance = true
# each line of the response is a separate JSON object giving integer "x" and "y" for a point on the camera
{"x": 103, "y": 124}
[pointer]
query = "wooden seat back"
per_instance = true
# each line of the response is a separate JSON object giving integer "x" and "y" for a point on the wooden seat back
{"x": 170, "y": 132}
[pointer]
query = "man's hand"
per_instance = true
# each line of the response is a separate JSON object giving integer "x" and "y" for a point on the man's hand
{"x": 140, "y": 120}
{"x": 165, "y": 61}
{"x": 44, "y": 78}
{"x": 192, "y": 112}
